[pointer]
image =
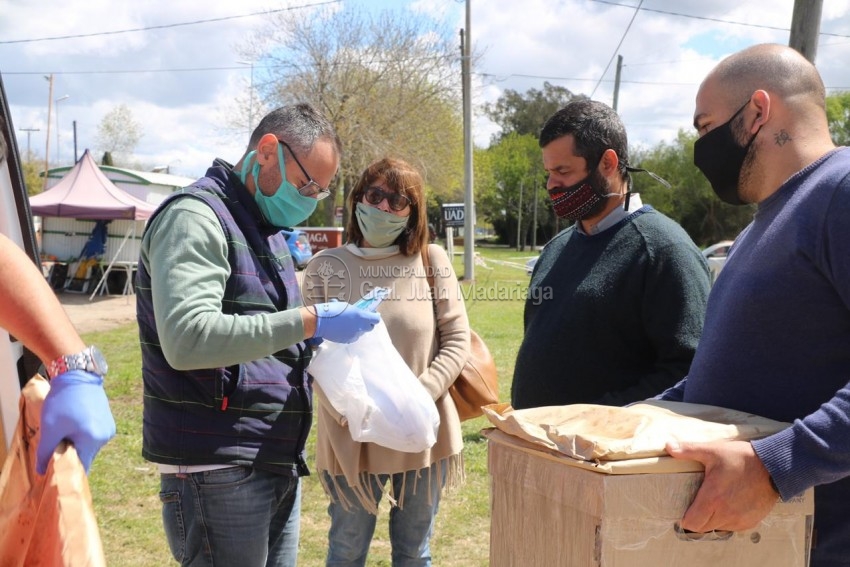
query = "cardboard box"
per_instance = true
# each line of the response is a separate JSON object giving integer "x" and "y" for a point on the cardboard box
{"x": 549, "y": 510}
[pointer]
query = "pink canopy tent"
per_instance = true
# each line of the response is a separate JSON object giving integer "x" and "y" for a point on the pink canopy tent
{"x": 86, "y": 193}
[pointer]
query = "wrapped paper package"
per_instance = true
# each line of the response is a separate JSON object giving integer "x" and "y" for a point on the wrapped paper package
{"x": 590, "y": 485}
{"x": 45, "y": 520}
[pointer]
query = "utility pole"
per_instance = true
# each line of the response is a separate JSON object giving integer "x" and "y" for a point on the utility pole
{"x": 59, "y": 128}
{"x": 617, "y": 81}
{"x": 805, "y": 27}
{"x": 519, "y": 244}
{"x": 251, "y": 103}
{"x": 534, "y": 221}
{"x": 251, "y": 99}
{"x": 75, "y": 141}
{"x": 47, "y": 137}
{"x": 29, "y": 132}
{"x": 468, "y": 201}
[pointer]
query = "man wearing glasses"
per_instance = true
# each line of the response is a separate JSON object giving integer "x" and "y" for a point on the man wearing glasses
{"x": 225, "y": 343}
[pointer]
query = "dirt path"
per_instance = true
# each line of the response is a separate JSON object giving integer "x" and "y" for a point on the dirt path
{"x": 102, "y": 313}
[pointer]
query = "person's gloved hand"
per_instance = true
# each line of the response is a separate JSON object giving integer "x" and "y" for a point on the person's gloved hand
{"x": 75, "y": 409}
{"x": 342, "y": 322}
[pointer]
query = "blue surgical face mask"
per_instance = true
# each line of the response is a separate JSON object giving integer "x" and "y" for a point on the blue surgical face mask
{"x": 380, "y": 228}
{"x": 286, "y": 207}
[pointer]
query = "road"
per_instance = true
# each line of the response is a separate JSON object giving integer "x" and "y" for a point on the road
{"x": 102, "y": 313}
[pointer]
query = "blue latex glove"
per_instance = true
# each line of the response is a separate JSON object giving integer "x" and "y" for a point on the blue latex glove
{"x": 75, "y": 409}
{"x": 341, "y": 322}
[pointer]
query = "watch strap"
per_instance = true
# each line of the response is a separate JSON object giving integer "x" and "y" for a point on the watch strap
{"x": 88, "y": 359}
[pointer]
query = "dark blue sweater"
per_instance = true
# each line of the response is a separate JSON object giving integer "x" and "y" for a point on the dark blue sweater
{"x": 776, "y": 342}
{"x": 611, "y": 318}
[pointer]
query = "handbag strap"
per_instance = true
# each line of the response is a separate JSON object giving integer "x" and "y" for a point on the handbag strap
{"x": 429, "y": 273}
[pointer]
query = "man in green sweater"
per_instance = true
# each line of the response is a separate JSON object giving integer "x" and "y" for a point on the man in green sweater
{"x": 616, "y": 301}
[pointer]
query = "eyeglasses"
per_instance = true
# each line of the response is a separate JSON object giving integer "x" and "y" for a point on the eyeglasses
{"x": 397, "y": 201}
{"x": 311, "y": 188}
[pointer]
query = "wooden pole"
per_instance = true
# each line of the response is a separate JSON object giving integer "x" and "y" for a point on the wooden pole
{"x": 805, "y": 27}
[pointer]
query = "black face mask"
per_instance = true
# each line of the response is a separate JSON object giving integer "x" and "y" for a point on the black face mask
{"x": 720, "y": 158}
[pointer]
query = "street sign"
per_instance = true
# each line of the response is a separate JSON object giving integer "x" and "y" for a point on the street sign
{"x": 322, "y": 237}
{"x": 453, "y": 214}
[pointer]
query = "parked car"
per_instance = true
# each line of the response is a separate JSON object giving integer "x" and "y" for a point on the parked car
{"x": 718, "y": 250}
{"x": 716, "y": 257}
{"x": 299, "y": 247}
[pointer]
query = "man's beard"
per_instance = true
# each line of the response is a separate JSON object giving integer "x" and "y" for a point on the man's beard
{"x": 581, "y": 201}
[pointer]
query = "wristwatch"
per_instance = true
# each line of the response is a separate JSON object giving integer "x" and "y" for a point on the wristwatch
{"x": 90, "y": 360}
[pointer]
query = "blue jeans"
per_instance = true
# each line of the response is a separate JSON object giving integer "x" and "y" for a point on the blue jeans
{"x": 410, "y": 527}
{"x": 238, "y": 516}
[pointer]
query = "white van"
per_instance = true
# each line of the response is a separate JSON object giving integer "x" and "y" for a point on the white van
{"x": 17, "y": 364}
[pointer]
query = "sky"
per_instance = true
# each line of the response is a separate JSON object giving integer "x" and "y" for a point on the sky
{"x": 179, "y": 68}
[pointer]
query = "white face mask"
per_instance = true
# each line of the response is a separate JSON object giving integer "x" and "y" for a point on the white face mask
{"x": 380, "y": 228}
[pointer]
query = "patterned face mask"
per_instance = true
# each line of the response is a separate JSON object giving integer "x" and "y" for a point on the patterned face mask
{"x": 582, "y": 200}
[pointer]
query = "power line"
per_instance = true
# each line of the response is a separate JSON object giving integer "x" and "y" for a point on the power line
{"x": 167, "y": 26}
{"x": 501, "y": 78}
{"x": 138, "y": 71}
{"x": 279, "y": 65}
{"x": 616, "y": 49}
{"x": 492, "y": 76}
{"x": 707, "y": 19}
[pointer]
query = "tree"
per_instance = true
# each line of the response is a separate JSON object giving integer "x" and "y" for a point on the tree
{"x": 32, "y": 170}
{"x": 520, "y": 116}
{"x": 390, "y": 83}
{"x": 691, "y": 201}
{"x": 838, "y": 117}
{"x": 526, "y": 113}
{"x": 507, "y": 199}
{"x": 119, "y": 133}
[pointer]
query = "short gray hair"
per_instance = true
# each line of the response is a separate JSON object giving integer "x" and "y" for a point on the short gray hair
{"x": 299, "y": 125}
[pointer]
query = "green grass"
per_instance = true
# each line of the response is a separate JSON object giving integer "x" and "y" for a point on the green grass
{"x": 125, "y": 487}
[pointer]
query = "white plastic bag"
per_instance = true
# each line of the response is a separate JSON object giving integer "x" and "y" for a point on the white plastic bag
{"x": 369, "y": 383}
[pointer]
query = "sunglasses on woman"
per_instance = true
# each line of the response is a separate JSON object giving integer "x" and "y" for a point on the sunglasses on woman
{"x": 396, "y": 201}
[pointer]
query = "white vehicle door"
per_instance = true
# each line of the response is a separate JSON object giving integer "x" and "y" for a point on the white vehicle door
{"x": 17, "y": 364}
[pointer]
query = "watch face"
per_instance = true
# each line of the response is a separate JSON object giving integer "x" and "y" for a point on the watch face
{"x": 99, "y": 361}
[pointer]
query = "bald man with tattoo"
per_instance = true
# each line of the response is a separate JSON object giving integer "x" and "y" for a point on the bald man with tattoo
{"x": 776, "y": 340}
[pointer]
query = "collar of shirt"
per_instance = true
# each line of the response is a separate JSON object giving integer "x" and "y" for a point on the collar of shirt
{"x": 613, "y": 217}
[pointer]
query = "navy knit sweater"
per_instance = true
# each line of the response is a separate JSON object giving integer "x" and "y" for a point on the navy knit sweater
{"x": 777, "y": 342}
{"x": 611, "y": 318}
